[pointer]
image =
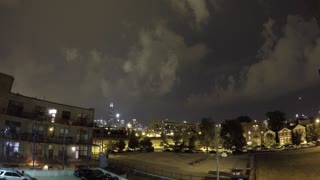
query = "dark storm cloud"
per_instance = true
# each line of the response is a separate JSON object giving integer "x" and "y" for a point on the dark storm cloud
{"x": 155, "y": 59}
{"x": 74, "y": 52}
{"x": 288, "y": 63}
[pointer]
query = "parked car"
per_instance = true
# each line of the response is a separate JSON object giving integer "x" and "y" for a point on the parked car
{"x": 93, "y": 175}
{"x": 6, "y": 174}
{"x": 108, "y": 176}
{"x": 81, "y": 172}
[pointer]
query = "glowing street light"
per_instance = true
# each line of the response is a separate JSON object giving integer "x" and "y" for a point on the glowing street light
{"x": 53, "y": 113}
{"x": 317, "y": 120}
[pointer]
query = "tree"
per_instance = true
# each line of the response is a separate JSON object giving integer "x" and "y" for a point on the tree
{"x": 120, "y": 145}
{"x": 133, "y": 140}
{"x": 110, "y": 145}
{"x": 232, "y": 134}
{"x": 206, "y": 134}
{"x": 269, "y": 140}
{"x": 164, "y": 138}
{"x": 296, "y": 137}
{"x": 276, "y": 121}
{"x": 177, "y": 138}
{"x": 312, "y": 132}
{"x": 146, "y": 144}
{"x": 192, "y": 142}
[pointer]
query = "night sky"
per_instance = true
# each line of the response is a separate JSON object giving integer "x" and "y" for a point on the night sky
{"x": 175, "y": 59}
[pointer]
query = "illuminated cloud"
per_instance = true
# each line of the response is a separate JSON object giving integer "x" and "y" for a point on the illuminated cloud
{"x": 71, "y": 54}
{"x": 288, "y": 64}
{"x": 197, "y": 8}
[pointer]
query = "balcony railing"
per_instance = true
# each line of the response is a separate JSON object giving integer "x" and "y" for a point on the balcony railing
{"x": 44, "y": 118}
{"x": 47, "y": 139}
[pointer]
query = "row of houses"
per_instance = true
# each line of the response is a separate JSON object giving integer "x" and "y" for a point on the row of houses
{"x": 257, "y": 133}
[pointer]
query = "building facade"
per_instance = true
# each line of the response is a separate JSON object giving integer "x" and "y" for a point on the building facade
{"x": 169, "y": 127}
{"x": 38, "y": 131}
{"x": 253, "y": 132}
{"x": 285, "y": 136}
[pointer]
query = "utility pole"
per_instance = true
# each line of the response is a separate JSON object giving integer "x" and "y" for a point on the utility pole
{"x": 63, "y": 144}
{"x": 217, "y": 150}
{"x": 33, "y": 144}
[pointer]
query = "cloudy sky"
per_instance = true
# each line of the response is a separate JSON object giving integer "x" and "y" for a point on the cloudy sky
{"x": 176, "y": 59}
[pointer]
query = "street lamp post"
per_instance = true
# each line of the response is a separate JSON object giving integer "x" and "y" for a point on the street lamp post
{"x": 217, "y": 150}
{"x": 262, "y": 138}
{"x": 33, "y": 144}
{"x": 63, "y": 146}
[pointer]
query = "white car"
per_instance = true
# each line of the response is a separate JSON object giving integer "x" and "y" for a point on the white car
{"x": 224, "y": 154}
{"x": 14, "y": 175}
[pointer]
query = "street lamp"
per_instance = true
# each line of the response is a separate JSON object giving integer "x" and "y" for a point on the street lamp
{"x": 53, "y": 113}
{"x": 262, "y": 137}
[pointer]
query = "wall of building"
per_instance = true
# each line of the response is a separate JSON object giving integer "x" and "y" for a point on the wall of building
{"x": 5, "y": 88}
{"x": 20, "y": 119}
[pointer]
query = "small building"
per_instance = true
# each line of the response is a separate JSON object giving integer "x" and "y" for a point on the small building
{"x": 253, "y": 132}
{"x": 285, "y": 136}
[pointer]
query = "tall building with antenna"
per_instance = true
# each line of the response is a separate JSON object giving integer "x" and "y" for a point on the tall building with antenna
{"x": 111, "y": 121}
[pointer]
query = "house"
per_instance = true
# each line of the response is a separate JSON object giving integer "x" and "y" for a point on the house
{"x": 285, "y": 136}
{"x": 253, "y": 132}
{"x": 35, "y": 131}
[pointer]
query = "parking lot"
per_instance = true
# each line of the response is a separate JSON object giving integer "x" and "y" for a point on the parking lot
{"x": 289, "y": 164}
{"x": 180, "y": 165}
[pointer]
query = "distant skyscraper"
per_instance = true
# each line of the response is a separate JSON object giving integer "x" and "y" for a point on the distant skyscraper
{"x": 111, "y": 115}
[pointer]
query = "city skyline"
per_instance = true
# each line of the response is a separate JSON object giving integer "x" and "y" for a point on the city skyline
{"x": 181, "y": 60}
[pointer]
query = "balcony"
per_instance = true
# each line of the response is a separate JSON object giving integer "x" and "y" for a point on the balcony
{"x": 46, "y": 139}
{"x": 86, "y": 122}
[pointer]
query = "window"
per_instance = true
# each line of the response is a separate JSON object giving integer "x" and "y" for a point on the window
{"x": 63, "y": 131}
{"x": 83, "y": 150}
{"x": 66, "y": 115}
{"x": 11, "y": 174}
{"x": 83, "y": 117}
{"x": 10, "y": 148}
{"x": 38, "y": 149}
{"x": 51, "y": 131}
{"x": 39, "y": 129}
{"x": 39, "y": 111}
{"x": 11, "y": 128}
{"x": 82, "y": 135}
{"x": 15, "y": 108}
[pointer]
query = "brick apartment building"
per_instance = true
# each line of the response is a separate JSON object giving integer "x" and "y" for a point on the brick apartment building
{"x": 37, "y": 131}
